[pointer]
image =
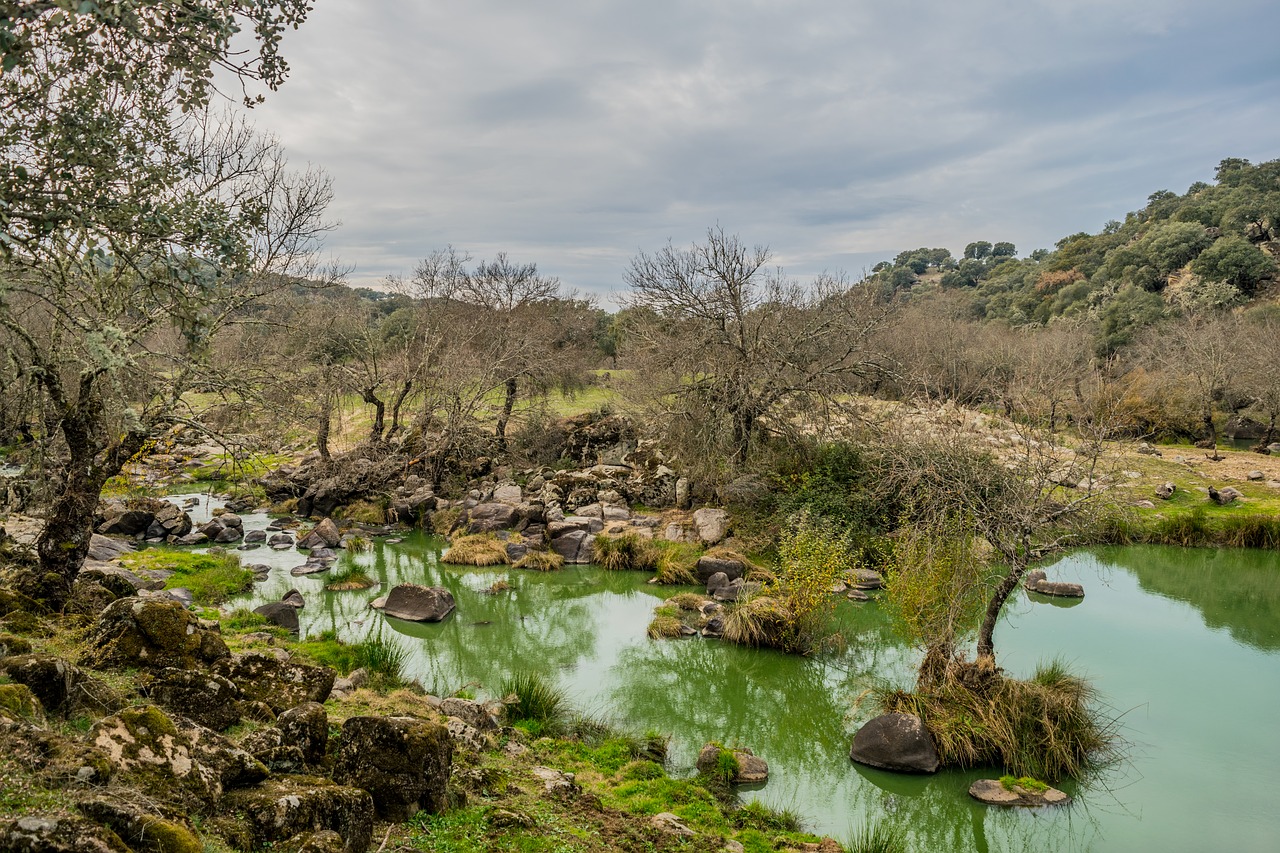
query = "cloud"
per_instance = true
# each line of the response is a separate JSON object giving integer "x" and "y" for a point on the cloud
{"x": 574, "y": 134}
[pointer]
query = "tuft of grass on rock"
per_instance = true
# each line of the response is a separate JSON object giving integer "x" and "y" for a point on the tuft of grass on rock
{"x": 540, "y": 561}
{"x": 352, "y": 577}
{"x": 664, "y": 628}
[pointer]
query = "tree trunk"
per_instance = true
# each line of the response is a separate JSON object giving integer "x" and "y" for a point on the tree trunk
{"x": 379, "y": 415}
{"x": 322, "y": 428}
{"x": 986, "y": 633}
{"x": 1053, "y": 417}
{"x": 395, "y": 407}
{"x": 744, "y": 425}
{"x": 1210, "y": 440}
{"x": 1268, "y": 437}
{"x": 508, "y": 404}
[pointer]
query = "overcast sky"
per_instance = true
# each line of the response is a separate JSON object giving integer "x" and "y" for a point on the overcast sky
{"x": 574, "y": 134}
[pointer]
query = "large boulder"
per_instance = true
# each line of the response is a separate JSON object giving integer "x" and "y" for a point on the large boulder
{"x": 323, "y": 535}
{"x": 416, "y": 603}
{"x": 403, "y": 762}
{"x": 285, "y": 807}
{"x": 169, "y": 756}
{"x": 210, "y": 700}
{"x": 577, "y": 547}
{"x": 280, "y": 684}
{"x": 152, "y": 633}
{"x": 898, "y": 742}
{"x": 488, "y": 517}
{"x": 142, "y": 831}
{"x": 280, "y": 613}
{"x": 299, "y": 740}
{"x": 708, "y": 566}
{"x": 57, "y": 834}
{"x": 712, "y": 525}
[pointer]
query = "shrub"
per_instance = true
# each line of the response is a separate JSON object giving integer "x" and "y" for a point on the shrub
{"x": 627, "y": 552}
{"x": 540, "y": 561}
{"x": 480, "y": 549}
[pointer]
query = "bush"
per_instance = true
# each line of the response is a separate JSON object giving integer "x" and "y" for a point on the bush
{"x": 480, "y": 549}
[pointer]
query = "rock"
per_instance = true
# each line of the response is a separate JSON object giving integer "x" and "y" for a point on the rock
{"x": 556, "y": 783}
{"x": 142, "y": 831}
{"x": 210, "y": 700}
{"x": 577, "y": 547}
{"x": 1036, "y": 582}
{"x": 228, "y": 535}
{"x": 153, "y": 634}
{"x": 488, "y": 517}
{"x": 307, "y": 728}
{"x": 1164, "y": 491}
{"x": 994, "y": 793}
{"x": 708, "y": 566}
{"x": 310, "y": 568}
{"x": 280, "y": 613}
{"x": 182, "y": 595}
{"x": 416, "y": 603}
{"x": 714, "y": 629}
{"x": 728, "y": 590}
{"x": 751, "y": 768}
{"x": 280, "y": 684}
{"x": 1255, "y": 476}
{"x": 156, "y": 751}
{"x": 57, "y": 834}
{"x": 17, "y": 702}
{"x": 51, "y": 680}
{"x": 196, "y": 537}
{"x": 105, "y": 549}
{"x": 898, "y": 742}
{"x": 677, "y": 533}
{"x": 1225, "y": 496}
{"x": 1144, "y": 504}
{"x": 379, "y": 603}
{"x": 474, "y": 714}
{"x": 323, "y": 535}
{"x": 324, "y": 841}
{"x": 293, "y": 598}
{"x": 865, "y": 579}
{"x": 255, "y": 536}
{"x": 712, "y": 525}
{"x": 280, "y": 541}
{"x": 508, "y": 494}
{"x": 670, "y": 824}
{"x": 285, "y": 807}
{"x": 682, "y": 493}
{"x": 404, "y": 763}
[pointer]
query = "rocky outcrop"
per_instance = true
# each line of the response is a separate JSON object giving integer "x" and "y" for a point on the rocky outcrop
{"x": 403, "y": 762}
{"x": 898, "y": 742}
{"x": 416, "y": 603}
{"x": 280, "y": 684}
{"x": 157, "y": 752}
{"x": 153, "y": 634}
{"x": 285, "y": 807}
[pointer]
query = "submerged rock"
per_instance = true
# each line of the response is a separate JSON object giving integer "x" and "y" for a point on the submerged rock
{"x": 898, "y": 742}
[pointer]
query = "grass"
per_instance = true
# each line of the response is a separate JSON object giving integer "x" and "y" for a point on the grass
{"x": 687, "y": 601}
{"x": 532, "y": 699}
{"x": 540, "y": 561}
{"x": 664, "y": 627}
{"x": 478, "y": 549}
{"x": 756, "y": 815}
{"x": 365, "y": 512}
{"x": 382, "y": 658}
{"x": 676, "y": 562}
{"x": 212, "y": 578}
{"x": 876, "y": 837}
{"x": 760, "y": 622}
{"x": 1047, "y": 727}
{"x": 626, "y": 552}
{"x": 352, "y": 577}
{"x": 1026, "y": 783}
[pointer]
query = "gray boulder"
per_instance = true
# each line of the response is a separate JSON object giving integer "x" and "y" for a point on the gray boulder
{"x": 323, "y": 535}
{"x": 416, "y": 603}
{"x": 712, "y": 525}
{"x": 280, "y": 684}
{"x": 210, "y": 700}
{"x": 708, "y": 566}
{"x": 577, "y": 547}
{"x": 898, "y": 742}
{"x": 404, "y": 763}
{"x": 280, "y": 613}
{"x": 1165, "y": 491}
{"x": 488, "y": 517}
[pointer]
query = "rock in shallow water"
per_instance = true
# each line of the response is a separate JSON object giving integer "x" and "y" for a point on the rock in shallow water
{"x": 417, "y": 603}
{"x": 898, "y": 742}
{"x": 994, "y": 793}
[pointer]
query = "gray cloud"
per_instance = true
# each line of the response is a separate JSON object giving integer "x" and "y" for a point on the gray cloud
{"x": 573, "y": 134}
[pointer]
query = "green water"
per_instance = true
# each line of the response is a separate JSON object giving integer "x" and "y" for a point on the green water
{"x": 1185, "y": 643}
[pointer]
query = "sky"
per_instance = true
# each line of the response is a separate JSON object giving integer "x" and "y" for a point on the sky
{"x": 837, "y": 133}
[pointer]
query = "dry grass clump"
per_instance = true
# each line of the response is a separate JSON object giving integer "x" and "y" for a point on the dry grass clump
{"x": 479, "y": 549}
{"x": 665, "y": 627}
{"x": 688, "y": 601}
{"x": 1048, "y": 727}
{"x": 760, "y": 622}
{"x": 626, "y": 552}
{"x": 676, "y": 561}
{"x": 541, "y": 561}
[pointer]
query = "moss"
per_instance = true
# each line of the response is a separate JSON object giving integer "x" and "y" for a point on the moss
{"x": 17, "y": 701}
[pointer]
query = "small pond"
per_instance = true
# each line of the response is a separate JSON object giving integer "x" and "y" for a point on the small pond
{"x": 1184, "y": 643}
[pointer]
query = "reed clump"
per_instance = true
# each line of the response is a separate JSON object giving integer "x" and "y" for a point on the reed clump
{"x": 478, "y": 549}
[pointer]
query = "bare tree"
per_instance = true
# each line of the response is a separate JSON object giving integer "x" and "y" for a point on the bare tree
{"x": 733, "y": 348}
{"x": 1202, "y": 350}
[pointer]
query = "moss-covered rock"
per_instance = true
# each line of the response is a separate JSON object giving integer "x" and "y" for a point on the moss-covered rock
{"x": 57, "y": 834}
{"x": 142, "y": 831}
{"x": 287, "y": 806}
{"x": 50, "y": 678}
{"x": 12, "y": 645}
{"x": 403, "y": 762}
{"x": 153, "y": 634}
{"x": 18, "y": 702}
{"x": 298, "y": 740}
{"x": 280, "y": 684}
{"x": 174, "y": 757}
{"x": 210, "y": 700}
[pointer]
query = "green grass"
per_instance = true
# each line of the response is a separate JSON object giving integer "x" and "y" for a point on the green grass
{"x": 535, "y": 701}
{"x": 1026, "y": 783}
{"x": 383, "y": 658}
{"x": 212, "y": 578}
{"x": 352, "y": 577}
{"x": 878, "y": 837}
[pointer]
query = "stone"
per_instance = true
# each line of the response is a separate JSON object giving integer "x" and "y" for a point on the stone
{"x": 712, "y": 525}
{"x": 577, "y": 547}
{"x": 293, "y": 598}
{"x": 474, "y": 714}
{"x": 898, "y": 742}
{"x": 1165, "y": 491}
{"x": 865, "y": 579}
{"x": 142, "y": 831}
{"x": 708, "y": 566}
{"x": 253, "y": 536}
{"x": 488, "y": 517}
{"x": 285, "y": 807}
{"x": 508, "y": 494}
{"x": 307, "y": 728}
{"x": 228, "y": 535}
{"x": 280, "y": 613}
{"x": 230, "y": 519}
{"x": 751, "y": 769}
{"x": 1224, "y": 496}
{"x": 171, "y": 755}
{"x": 310, "y": 568}
{"x": 152, "y": 634}
{"x": 57, "y": 834}
{"x": 556, "y": 783}
{"x": 403, "y": 762}
{"x": 106, "y": 549}
{"x": 211, "y": 700}
{"x": 1253, "y": 476}
{"x": 17, "y": 702}
{"x": 1036, "y": 581}
{"x": 670, "y": 824}
{"x": 415, "y": 603}
{"x": 49, "y": 679}
{"x": 994, "y": 793}
{"x": 280, "y": 541}
{"x": 729, "y": 590}
{"x": 280, "y": 684}
{"x": 323, "y": 535}
{"x": 324, "y": 841}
